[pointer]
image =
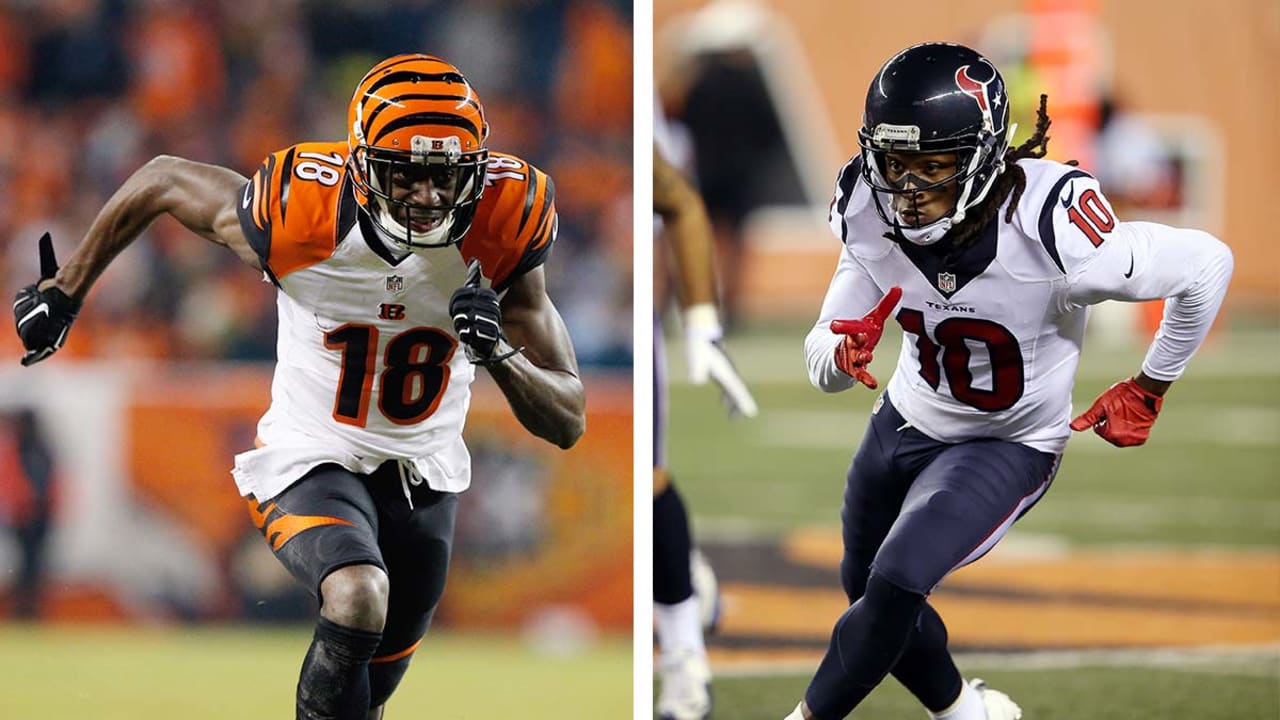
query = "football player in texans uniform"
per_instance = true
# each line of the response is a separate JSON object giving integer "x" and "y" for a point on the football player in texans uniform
{"x": 405, "y": 257}
{"x": 988, "y": 257}
{"x": 685, "y": 598}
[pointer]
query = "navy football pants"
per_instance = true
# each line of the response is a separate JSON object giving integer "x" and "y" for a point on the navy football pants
{"x": 915, "y": 509}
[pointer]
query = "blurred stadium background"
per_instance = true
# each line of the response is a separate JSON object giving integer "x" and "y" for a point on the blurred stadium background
{"x": 134, "y": 583}
{"x": 1147, "y": 583}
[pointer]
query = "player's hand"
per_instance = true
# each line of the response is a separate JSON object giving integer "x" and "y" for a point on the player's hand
{"x": 477, "y": 315}
{"x": 853, "y": 354}
{"x": 707, "y": 359}
{"x": 42, "y": 312}
{"x": 1122, "y": 415}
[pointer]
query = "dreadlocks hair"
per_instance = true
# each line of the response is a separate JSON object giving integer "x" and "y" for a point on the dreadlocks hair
{"x": 1012, "y": 181}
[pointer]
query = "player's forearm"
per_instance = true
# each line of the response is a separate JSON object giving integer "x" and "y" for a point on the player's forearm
{"x": 688, "y": 229}
{"x": 851, "y": 292}
{"x": 129, "y": 211}
{"x": 551, "y": 404}
{"x": 690, "y": 236}
{"x": 1189, "y": 314}
{"x": 819, "y": 354}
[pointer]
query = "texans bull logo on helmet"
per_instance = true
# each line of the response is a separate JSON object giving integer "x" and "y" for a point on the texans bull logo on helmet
{"x": 979, "y": 88}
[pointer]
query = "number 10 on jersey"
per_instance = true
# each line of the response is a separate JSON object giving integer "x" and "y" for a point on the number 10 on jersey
{"x": 951, "y": 355}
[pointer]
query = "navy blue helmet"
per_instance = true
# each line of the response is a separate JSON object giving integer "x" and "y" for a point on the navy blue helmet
{"x": 936, "y": 98}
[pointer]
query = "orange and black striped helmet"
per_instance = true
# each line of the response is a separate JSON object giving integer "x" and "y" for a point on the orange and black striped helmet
{"x": 416, "y": 132}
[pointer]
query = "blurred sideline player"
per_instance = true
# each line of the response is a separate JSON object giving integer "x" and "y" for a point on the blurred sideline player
{"x": 677, "y": 568}
{"x": 989, "y": 258}
{"x": 389, "y": 250}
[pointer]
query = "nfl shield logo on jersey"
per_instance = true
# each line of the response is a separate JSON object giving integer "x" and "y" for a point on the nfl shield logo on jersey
{"x": 395, "y": 283}
{"x": 947, "y": 282}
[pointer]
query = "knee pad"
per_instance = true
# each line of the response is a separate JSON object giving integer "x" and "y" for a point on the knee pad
{"x": 867, "y": 641}
{"x": 892, "y": 599}
{"x": 882, "y": 619}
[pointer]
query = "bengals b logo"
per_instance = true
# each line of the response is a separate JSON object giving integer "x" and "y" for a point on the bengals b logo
{"x": 391, "y": 311}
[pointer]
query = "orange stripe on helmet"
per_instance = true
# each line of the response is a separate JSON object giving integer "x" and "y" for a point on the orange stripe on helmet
{"x": 410, "y": 95}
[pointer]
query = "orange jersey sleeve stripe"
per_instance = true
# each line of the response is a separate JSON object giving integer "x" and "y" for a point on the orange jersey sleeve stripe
{"x": 263, "y": 194}
{"x": 291, "y": 217}
{"x": 515, "y": 222}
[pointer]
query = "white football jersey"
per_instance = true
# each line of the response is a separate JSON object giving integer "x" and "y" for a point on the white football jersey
{"x": 992, "y": 337}
{"x": 369, "y": 367}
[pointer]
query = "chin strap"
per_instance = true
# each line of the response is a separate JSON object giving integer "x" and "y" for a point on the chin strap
{"x": 941, "y": 227}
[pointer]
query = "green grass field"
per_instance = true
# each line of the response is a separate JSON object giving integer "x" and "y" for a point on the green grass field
{"x": 1109, "y": 693}
{"x": 1209, "y": 475}
{"x": 1209, "y": 478}
{"x": 75, "y": 673}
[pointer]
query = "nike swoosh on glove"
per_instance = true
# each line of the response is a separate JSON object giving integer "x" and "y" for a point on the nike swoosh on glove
{"x": 853, "y": 354}
{"x": 1122, "y": 415}
{"x": 43, "y": 317}
{"x": 707, "y": 359}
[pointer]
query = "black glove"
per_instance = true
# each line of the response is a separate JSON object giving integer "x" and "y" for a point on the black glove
{"x": 477, "y": 316}
{"x": 43, "y": 317}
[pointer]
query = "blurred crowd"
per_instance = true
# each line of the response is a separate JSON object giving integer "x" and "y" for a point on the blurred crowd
{"x": 92, "y": 89}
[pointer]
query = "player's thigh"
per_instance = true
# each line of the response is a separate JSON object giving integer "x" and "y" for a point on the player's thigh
{"x": 416, "y": 545}
{"x": 875, "y": 487}
{"x": 959, "y": 507}
{"x": 325, "y": 521}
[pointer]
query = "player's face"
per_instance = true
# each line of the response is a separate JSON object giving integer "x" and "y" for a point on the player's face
{"x": 426, "y": 191}
{"x": 920, "y": 172}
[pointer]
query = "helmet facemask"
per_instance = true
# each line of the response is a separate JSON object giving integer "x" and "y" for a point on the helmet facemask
{"x": 424, "y": 198}
{"x": 979, "y": 161}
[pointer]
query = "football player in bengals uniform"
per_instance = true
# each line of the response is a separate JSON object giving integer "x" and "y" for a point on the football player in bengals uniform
{"x": 390, "y": 251}
{"x": 988, "y": 257}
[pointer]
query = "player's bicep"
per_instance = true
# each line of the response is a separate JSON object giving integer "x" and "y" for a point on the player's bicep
{"x": 1145, "y": 261}
{"x": 1103, "y": 258}
{"x": 531, "y": 320}
{"x": 1075, "y": 221}
{"x": 1085, "y": 240}
{"x": 204, "y": 199}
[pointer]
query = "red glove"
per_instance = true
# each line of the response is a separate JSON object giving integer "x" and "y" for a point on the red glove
{"x": 853, "y": 354}
{"x": 1123, "y": 415}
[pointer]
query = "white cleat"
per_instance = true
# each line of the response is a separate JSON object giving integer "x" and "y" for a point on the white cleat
{"x": 997, "y": 704}
{"x": 796, "y": 714}
{"x": 707, "y": 590}
{"x": 686, "y": 687}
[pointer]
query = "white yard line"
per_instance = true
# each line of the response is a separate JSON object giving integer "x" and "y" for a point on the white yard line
{"x": 1244, "y": 660}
